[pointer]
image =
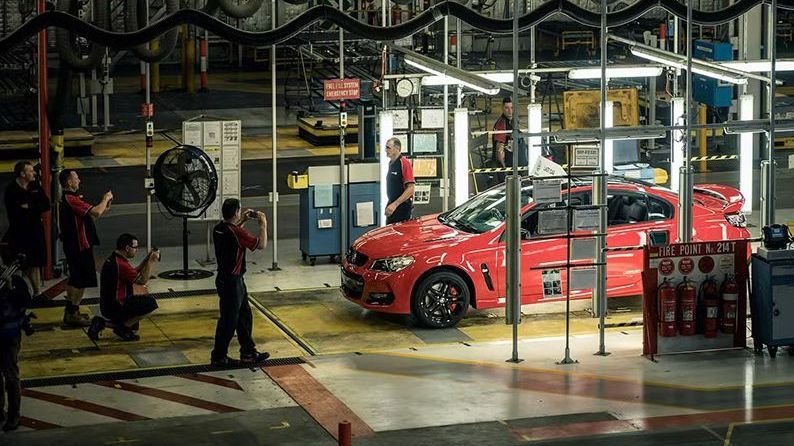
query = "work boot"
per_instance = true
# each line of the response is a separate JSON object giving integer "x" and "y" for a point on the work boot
{"x": 73, "y": 318}
{"x": 125, "y": 333}
{"x": 225, "y": 362}
{"x": 97, "y": 325}
{"x": 254, "y": 358}
{"x": 12, "y": 423}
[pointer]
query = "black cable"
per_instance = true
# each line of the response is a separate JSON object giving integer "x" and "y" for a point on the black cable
{"x": 136, "y": 16}
{"x": 323, "y": 12}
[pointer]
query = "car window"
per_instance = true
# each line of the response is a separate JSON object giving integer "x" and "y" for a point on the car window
{"x": 546, "y": 213}
{"x": 624, "y": 207}
{"x": 485, "y": 211}
{"x": 659, "y": 209}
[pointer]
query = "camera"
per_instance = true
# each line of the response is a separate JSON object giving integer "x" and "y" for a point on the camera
{"x": 250, "y": 213}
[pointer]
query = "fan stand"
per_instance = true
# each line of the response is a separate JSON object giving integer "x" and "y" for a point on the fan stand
{"x": 185, "y": 273}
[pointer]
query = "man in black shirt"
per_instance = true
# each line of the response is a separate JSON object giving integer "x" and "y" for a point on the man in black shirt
{"x": 117, "y": 299}
{"x": 25, "y": 203}
{"x": 399, "y": 184}
{"x": 231, "y": 241}
{"x": 78, "y": 233}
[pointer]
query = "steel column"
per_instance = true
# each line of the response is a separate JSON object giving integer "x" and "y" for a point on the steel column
{"x": 274, "y": 140}
{"x": 686, "y": 173}
{"x": 600, "y": 196}
{"x": 768, "y": 168}
{"x": 342, "y": 169}
{"x": 44, "y": 141}
{"x": 445, "y": 157}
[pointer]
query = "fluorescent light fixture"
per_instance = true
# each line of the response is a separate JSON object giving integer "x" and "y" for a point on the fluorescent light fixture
{"x": 386, "y": 131}
{"x": 678, "y": 143}
{"x": 746, "y": 154}
{"x": 504, "y": 77}
{"x": 615, "y": 72}
{"x": 609, "y": 145}
{"x": 759, "y": 66}
{"x": 697, "y": 68}
{"x": 535, "y": 115}
{"x": 450, "y": 73}
{"x": 461, "y": 157}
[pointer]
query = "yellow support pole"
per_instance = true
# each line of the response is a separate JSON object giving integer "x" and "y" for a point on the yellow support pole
{"x": 155, "y": 68}
{"x": 702, "y": 142}
{"x": 190, "y": 63}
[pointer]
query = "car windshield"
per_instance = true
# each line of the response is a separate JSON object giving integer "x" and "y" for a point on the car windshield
{"x": 485, "y": 211}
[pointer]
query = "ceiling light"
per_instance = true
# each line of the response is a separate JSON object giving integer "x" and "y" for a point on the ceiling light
{"x": 672, "y": 61}
{"x": 615, "y": 72}
{"x": 450, "y": 74}
{"x": 759, "y": 66}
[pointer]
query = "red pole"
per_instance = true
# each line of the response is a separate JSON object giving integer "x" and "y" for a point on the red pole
{"x": 44, "y": 140}
{"x": 345, "y": 434}
{"x": 203, "y": 60}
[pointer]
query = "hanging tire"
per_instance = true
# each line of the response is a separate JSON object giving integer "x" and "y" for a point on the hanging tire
{"x": 136, "y": 19}
{"x": 64, "y": 39}
{"x": 242, "y": 10}
{"x": 440, "y": 300}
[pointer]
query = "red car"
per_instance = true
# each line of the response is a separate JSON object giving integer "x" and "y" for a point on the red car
{"x": 436, "y": 266}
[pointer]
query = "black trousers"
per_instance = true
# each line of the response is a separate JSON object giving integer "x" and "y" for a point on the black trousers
{"x": 9, "y": 375}
{"x": 402, "y": 213}
{"x": 236, "y": 316}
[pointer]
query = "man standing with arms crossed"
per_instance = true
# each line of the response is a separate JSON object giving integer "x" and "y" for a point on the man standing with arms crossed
{"x": 231, "y": 241}
{"x": 78, "y": 234}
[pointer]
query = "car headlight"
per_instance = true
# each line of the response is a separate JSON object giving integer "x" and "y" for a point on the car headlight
{"x": 392, "y": 264}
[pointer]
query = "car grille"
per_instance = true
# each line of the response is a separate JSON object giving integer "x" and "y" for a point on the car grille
{"x": 352, "y": 284}
{"x": 356, "y": 258}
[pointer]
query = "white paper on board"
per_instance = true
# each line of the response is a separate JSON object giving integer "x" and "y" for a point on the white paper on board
{"x": 212, "y": 133}
{"x": 585, "y": 219}
{"x": 231, "y": 184}
{"x": 191, "y": 133}
{"x": 552, "y": 221}
{"x": 215, "y": 155}
{"x": 231, "y": 158}
{"x": 547, "y": 191}
{"x": 365, "y": 213}
{"x": 431, "y": 118}
{"x": 583, "y": 248}
{"x": 583, "y": 278}
{"x": 231, "y": 133}
{"x": 400, "y": 120}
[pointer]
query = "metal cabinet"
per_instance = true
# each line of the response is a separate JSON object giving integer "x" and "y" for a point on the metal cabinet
{"x": 772, "y": 299}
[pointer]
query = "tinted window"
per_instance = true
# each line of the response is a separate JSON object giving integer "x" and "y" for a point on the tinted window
{"x": 485, "y": 211}
{"x": 659, "y": 209}
{"x": 629, "y": 207}
{"x": 529, "y": 223}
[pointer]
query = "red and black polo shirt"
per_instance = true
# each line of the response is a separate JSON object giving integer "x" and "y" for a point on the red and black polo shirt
{"x": 231, "y": 242}
{"x": 117, "y": 279}
{"x": 78, "y": 232}
{"x": 401, "y": 172}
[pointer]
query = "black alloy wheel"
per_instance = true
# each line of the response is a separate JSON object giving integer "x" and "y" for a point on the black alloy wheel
{"x": 441, "y": 300}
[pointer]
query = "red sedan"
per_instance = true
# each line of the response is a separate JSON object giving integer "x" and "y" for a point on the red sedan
{"x": 436, "y": 266}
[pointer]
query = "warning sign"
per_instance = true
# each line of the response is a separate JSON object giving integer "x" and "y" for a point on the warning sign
{"x": 341, "y": 89}
{"x": 585, "y": 157}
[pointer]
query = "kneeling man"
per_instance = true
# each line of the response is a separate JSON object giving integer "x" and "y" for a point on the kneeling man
{"x": 121, "y": 308}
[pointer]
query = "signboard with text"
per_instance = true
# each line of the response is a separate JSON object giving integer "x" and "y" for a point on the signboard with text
{"x": 341, "y": 89}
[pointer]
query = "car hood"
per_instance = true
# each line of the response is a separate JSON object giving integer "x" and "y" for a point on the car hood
{"x": 409, "y": 237}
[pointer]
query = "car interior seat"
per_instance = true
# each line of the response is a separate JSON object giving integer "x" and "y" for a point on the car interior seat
{"x": 638, "y": 211}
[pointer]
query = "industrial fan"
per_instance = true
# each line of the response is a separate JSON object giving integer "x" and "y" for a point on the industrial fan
{"x": 185, "y": 182}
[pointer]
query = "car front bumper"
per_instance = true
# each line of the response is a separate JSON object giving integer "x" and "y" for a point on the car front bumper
{"x": 377, "y": 290}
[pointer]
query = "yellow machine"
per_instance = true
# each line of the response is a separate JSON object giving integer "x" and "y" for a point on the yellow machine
{"x": 581, "y": 108}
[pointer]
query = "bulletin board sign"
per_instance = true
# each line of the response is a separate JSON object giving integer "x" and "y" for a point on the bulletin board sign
{"x": 681, "y": 311}
{"x": 221, "y": 140}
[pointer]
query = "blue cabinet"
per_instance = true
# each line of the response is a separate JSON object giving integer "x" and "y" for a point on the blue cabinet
{"x": 708, "y": 90}
{"x": 772, "y": 300}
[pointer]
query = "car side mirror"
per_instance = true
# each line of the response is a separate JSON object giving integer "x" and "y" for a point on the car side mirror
{"x": 658, "y": 238}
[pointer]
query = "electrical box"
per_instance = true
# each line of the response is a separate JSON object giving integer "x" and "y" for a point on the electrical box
{"x": 363, "y": 198}
{"x": 320, "y": 230}
{"x": 772, "y": 302}
{"x": 708, "y": 90}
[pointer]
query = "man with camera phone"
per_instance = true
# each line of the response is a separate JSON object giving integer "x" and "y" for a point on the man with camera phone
{"x": 117, "y": 300}
{"x": 231, "y": 241}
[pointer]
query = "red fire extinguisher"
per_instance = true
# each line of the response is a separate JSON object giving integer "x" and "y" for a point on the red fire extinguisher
{"x": 710, "y": 298}
{"x": 667, "y": 309}
{"x": 687, "y": 307}
{"x": 730, "y": 296}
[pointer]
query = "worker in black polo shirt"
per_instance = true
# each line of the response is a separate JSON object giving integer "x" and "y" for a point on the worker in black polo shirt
{"x": 78, "y": 234}
{"x": 117, "y": 299}
{"x": 399, "y": 184}
{"x": 26, "y": 203}
{"x": 231, "y": 241}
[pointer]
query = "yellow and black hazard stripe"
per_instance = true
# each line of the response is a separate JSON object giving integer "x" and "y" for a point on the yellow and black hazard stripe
{"x": 714, "y": 158}
{"x": 622, "y": 324}
{"x": 625, "y": 248}
{"x": 497, "y": 170}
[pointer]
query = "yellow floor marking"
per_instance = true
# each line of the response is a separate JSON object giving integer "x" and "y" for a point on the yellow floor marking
{"x": 742, "y": 423}
{"x": 283, "y": 425}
